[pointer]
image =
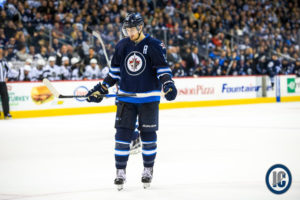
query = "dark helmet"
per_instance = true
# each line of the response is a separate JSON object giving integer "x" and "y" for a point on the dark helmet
{"x": 133, "y": 20}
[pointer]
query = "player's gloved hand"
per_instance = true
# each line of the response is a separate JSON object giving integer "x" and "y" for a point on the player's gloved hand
{"x": 94, "y": 95}
{"x": 170, "y": 90}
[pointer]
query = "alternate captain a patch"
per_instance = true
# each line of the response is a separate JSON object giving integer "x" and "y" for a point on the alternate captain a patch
{"x": 135, "y": 63}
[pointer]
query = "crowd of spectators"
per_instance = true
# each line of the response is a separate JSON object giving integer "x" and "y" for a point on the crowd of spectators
{"x": 203, "y": 38}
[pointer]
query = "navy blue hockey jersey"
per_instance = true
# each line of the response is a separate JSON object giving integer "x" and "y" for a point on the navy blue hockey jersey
{"x": 137, "y": 68}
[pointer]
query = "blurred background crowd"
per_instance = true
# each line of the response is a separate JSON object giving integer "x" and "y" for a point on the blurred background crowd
{"x": 48, "y": 38}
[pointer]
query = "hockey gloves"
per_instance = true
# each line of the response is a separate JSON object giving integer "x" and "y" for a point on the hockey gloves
{"x": 94, "y": 95}
{"x": 170, "y": 90}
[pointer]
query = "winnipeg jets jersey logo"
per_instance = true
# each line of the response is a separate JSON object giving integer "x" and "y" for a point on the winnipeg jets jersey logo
{"x": 135, "y": 63}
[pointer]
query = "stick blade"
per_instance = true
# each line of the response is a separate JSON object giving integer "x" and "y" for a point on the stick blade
{"x": 48, "y": 84}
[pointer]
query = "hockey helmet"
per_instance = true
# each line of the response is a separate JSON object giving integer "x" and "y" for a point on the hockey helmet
{"x": 51, "y": 59}
{"x": 132, "y": 20}
{"x": 27, "y": 68}
{"x": 74, "y": 60}
{"x": 28, "y": 60}
{"x": 65, "y": 58}
{"x": 93, "y": 61}
{"x": 41, "y": 62}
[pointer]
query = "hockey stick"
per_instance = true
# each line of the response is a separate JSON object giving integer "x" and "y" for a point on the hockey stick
{"x": 98, "y": 36}
{"x": 49, "y": 85}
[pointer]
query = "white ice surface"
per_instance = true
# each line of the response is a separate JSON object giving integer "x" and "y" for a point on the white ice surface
{"x": 203, "y": 153}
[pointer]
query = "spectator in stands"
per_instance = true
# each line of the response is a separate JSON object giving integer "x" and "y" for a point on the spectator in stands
{"x": 65, "y": 69}
{"x": 249, "y": 32}
{"x": 43, "y": 53}
{"x": 2, "y": 37}
{"x": 62, "y": 53}
{"x": 297, "y": 67}
{"x": 56, "y": 45}
{"x": 261, "y": 65}
{"x": 32, "y": 53}
{"x": 90, "y": 56}
{"x": 188, "y": 59}
{"x": 173, "y": 55}
{"x": 217, "y": 69}
{"x": 22, "y": 55}
{"x": 195, "y": 56}
{"x": 273, "y": 68}
{"x": 288, "y": 67}
{"x": 10, "y": 29}
{"x": 233, "y": 68}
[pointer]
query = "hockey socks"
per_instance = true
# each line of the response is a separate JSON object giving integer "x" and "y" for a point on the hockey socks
{"x": 122, "y": 147}
{"x": 148, "y": 148}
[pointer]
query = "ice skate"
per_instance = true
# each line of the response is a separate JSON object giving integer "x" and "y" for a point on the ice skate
{"x": 147, "y": 176}
{"x": 135, "y": 146}
{"x": 120, "y": 179}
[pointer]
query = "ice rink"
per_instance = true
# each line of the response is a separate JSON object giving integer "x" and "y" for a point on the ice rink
{"x": 203, "y": 153}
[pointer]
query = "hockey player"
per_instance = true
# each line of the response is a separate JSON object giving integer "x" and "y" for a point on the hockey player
{"x": 25, "y": 71}
{"x": 52, "y": 71}
{"x": 37, "y": 72}
{"x": 13, "y": 72}
{"x": 77, "y": 70}
{"x": 65, "y": 72}
{"x": 139, "y": 65}
{"x": 104, "y": 71}
{"x": 92, "y": 71}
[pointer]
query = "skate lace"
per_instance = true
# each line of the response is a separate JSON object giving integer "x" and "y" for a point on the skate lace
{"x": 147, "y": 172}
{"x": 121, "y": 174}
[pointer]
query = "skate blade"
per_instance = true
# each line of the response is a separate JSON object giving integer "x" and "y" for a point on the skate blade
{"x": 146, "y": 185}
{"x": 135, "y": 151}
{"x": 119, "y": 187}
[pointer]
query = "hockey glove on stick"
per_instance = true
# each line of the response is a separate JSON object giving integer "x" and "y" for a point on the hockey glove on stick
{"x": 170, "y": 90}
{"x": 94, "y": 94}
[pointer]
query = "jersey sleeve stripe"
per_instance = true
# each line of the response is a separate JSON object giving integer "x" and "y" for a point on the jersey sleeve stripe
{"x": 167, "y": 72}
{"x": 106, "y": 84}
{"x": 160, "y": 70}
{"x": 114, "y": 69}
{"x": 115, "y": 72}
{"x": 160, "y": 75}
{"x": 114, "y": 76}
